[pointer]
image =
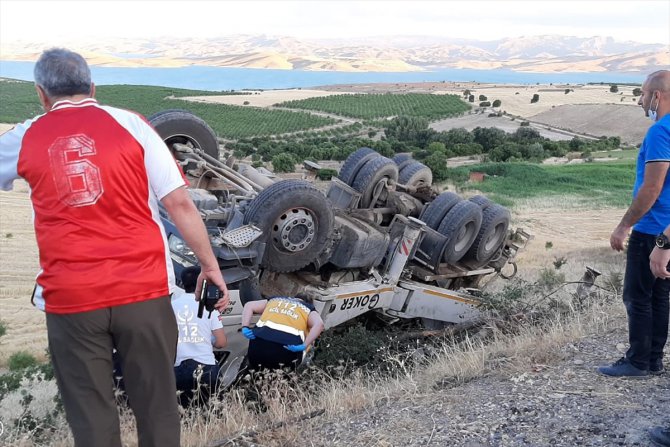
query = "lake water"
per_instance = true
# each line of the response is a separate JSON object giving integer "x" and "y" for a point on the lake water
{"x": 220, "y": 78}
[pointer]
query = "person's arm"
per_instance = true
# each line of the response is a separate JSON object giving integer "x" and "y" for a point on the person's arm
{"x": 10, "y": 146}
{"x": 315, "y": 325}
{"x": 659, "y": 259}
{"x": 186, "y": 218}
{"x": 220, "y": 340}
{"x": 251, "y": 308}
{"x": 654, "y": 178}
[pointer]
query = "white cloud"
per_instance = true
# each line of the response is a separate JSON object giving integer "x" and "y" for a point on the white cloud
{"x": 643, "y": 21}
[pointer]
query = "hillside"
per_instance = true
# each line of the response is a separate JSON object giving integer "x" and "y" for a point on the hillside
{"x": 547, "y": 53}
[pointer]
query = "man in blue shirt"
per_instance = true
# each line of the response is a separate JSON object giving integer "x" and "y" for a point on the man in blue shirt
{"x": 646, "y": 297}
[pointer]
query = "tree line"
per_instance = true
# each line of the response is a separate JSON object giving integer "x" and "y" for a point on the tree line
{"x": 412, "y": 134}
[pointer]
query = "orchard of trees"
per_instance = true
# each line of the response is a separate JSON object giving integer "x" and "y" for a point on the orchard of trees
{"x": 412, "y": 134}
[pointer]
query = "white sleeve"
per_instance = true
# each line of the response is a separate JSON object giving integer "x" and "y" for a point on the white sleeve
{"x": 214, "y": 321}
{"x": 164, "y": 175}
{"x": 161, "y": 167}
{"x": 10, "y": 147}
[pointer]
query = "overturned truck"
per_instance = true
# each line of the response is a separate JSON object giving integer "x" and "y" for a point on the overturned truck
{"x": 379, "y": 239}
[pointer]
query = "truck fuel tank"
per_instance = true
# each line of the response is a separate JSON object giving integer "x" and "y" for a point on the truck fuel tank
{"x": 360, "y": 244}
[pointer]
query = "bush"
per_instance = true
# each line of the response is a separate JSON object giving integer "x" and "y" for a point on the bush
{"x": 482, "y": 98}
{"x": 614, "y": 88}
{"x": 21, "y": 360}
{"x": 245, "y": 103}
{"x": 3, "y": 328}
{"x": 283, "y": 163}
{"x": 497, "y": 103}
{"x": 485, "y": 104}
{"x": 524, "y": 124}
{"x": 535, "y": 98}
{"x": 637, "y": 91}
{"x": 567, "y": 90}
{"x": 326, "y": 173}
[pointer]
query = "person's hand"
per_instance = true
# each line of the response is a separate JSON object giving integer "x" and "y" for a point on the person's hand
{"x": 213, "y": 276}
{"x": 618, "y": 237}
{"x": 247, "y": 332}
{"x": 295, "y": 348}
{"x": 658, "y": 262}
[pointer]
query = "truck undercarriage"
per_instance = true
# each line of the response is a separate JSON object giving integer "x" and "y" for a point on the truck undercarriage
{"x": 380, "y": 238}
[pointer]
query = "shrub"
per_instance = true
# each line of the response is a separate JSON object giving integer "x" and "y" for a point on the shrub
{"x": 245, "y": 103}
{"x": 497, "y": 103}
{"x": 283, "y": 163}
{"x": 637, "y": 91}
{"x": 3, "y": 328}
{"x": 560, "y": 262}
{"x": 21, "y": 360}
{"x": 471, "y": 98}
{"x": 550, "y": 278}
{"x": 485, "y": 104}
{"x": 614, "y": 88}
{"x": 524, "y": 124}
{"x": 482, "y": 98}
{"x": 535, "y": 98}
{"x": 326, "y": 173}
{"x": 567, "y": 90}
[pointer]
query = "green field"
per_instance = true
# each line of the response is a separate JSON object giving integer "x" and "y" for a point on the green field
{"x": 19, "y": 102}
{"x": 625, "y": 154}
{"x": 594, "y": 184}
{"x": 371, "y": 106}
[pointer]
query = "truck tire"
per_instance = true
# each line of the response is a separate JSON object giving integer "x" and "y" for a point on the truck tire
{"x": 181, "y": 126}
{"x": 416, "y": 174}
{"x": 401, "y": 158}
{"x": 371, "y": 177}
{"x": 481, "y": 200}
{"x": 461, "y": 225}
{"x": 250, "y": 290}
{"x": 491, "y": 235}
{"x": 297, "y": 221}
{"x": 434, "y": 212}
{"x": 354, "y": 162}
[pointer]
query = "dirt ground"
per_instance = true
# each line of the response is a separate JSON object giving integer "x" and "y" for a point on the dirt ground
{"x": 262, "y": 98}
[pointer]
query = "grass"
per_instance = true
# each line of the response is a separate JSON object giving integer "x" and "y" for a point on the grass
{"x": 625, "y": 154}
{"x": 21, "y": 360}
{"x": 342, "y": 397}
{"x": 577, "y": 186}
{"x": 20, "y": 102}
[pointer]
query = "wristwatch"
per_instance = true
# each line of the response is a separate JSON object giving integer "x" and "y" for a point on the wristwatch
{"x": 662, "y": 242}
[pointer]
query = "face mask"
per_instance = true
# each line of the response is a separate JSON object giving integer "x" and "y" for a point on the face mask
{"x": 652, "y": 114}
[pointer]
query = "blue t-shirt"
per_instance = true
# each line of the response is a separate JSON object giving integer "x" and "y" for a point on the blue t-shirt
{"x": 655, "y": 147}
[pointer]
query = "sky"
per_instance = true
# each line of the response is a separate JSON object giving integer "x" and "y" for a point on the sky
{"x": 640, "y": 21}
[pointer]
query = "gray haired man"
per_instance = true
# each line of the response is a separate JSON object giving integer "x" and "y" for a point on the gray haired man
{"x": 96, "y": 175}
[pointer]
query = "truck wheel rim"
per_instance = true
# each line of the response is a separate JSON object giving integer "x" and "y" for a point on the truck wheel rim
{"x": 495, "y": 237}
{"x": 294, "y": 230}
{"x": 464, "y": 236}
{"x": 182, "y": 139}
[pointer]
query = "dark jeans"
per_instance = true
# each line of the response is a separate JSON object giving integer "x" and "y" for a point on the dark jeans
{"x": 646, "y": 300}
{"x": 145, "y": 334}
{"x": 189, "y": 385}
{"x": 268, "y": 355}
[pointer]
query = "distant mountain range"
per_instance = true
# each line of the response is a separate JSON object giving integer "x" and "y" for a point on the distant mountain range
{"x": 549, "y": 53}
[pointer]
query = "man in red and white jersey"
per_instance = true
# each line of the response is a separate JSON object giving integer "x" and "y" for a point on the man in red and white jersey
{"x": 96, "y": 174}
